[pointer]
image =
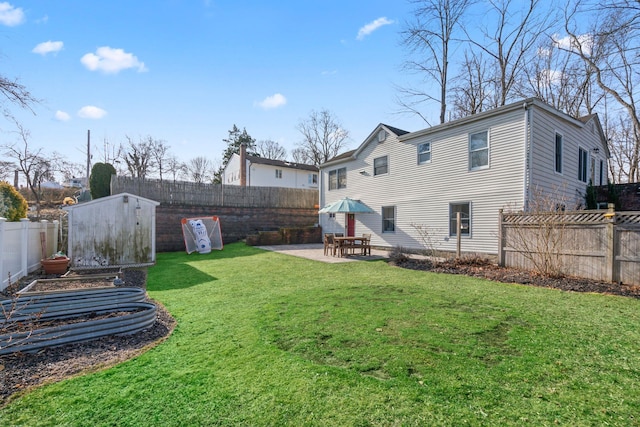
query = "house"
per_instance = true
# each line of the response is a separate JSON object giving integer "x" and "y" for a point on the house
{"x": 261, "y": 172}
{"x": 514, "y": 157}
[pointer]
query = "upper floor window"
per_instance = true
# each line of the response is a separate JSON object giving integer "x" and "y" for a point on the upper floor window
{"x": 338, "y": 179}
{"x": 313, "y": 178}
{"x": 583, "y": 164}
{"x": 424, "y": 153}
{"x": 479, "y": 150}
{"x": 380, "y": 165}
{"x": 558, "y": 153}
{"x": 278, "y": 173}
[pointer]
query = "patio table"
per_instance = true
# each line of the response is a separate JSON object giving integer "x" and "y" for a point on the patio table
{"x": 352, "y": 242}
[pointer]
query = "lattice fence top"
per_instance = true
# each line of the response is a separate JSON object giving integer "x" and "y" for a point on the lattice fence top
{"x": 576, "y": 217}
{"x": 628, "y": 218}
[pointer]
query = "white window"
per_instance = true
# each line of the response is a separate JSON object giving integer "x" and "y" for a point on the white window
{"x": 601, "y": 172}
{"x": 380, "y": 165}
{"x": 465, "y": 218}
{"x": 479, "y": 150}
{"x": 583, "y": 164}
{"x": 388, "y": 219}
{"x": 313, "y": 178}
{"x": 338, "y": 179}
{"x": 558, "y": 153}
{"x": 424, "y": 153}
{"x": 278, "y": 173}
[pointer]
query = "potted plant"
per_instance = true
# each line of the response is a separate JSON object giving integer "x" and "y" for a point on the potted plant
{"x": 55, "y": 264}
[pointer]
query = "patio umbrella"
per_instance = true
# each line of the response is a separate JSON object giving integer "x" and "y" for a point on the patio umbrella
{"x": 346, "y": 205}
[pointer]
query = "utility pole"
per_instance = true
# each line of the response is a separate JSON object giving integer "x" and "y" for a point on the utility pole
{"x": 88, "y": 156}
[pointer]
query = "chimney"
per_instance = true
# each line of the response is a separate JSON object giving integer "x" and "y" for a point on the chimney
{"x": 243, "y": 165}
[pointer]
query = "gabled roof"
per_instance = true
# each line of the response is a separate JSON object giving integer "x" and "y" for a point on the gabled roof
{"x": 281, "y": 163}
{"x": 352, "y": 154}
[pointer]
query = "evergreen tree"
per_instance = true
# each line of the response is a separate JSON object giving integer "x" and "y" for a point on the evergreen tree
{"x": 100, "y": 180}
{"x": 235, "y": 139}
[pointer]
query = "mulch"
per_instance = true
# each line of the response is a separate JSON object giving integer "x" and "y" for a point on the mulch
{"x": 20, "y": 372}
{"x": 483, "y": 268}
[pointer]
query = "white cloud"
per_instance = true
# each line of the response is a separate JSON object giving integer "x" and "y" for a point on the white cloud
{"x": 111, "y": 61}
{"x": 372, "y": 26}
{"x": 62, "y": 116}
{"x": 48, "y": 47}
{"x": 271, "y": 102}
{"x": 91, "y": 112}
{"x": 568, "y": 43}
{"x": 10, "y": 15}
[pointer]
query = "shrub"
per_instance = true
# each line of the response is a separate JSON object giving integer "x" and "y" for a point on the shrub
{"x": 398, "y": 255}
{"x": 100, "y": 180}
{"x": 13, "y": 206}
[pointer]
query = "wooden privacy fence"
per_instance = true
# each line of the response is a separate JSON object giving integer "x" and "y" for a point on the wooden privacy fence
{"x": 21, "y": 247}
{"x": 599, "y": 245}
{"x": 194, "y": 194}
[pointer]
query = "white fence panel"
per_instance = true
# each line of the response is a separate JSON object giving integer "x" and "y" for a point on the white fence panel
{"x": 20, "y": 247}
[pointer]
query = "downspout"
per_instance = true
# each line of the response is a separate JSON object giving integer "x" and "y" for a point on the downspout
{"x": 528, "y": 157}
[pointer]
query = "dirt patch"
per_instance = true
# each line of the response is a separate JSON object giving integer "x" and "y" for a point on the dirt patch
{"x": 22, "y": 371}
{"x": 483, "y": 268}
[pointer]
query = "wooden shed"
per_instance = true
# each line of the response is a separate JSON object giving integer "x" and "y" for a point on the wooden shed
{"x": 118, "y": 230}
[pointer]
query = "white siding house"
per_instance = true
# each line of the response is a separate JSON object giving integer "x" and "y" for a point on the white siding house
{"x": 261, "y": 172}
{"x": 512, "y": 157}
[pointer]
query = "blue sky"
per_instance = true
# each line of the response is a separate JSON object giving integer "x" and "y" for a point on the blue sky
{"x": 186, "y": 71}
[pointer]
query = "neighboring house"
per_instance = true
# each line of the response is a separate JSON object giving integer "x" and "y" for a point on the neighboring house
{"x": 77, "y": 182}
{"x": 513, "y": 157}
{"x": 261, "y": 172}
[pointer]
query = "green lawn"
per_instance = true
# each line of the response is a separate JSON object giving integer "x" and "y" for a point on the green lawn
{"x": 265, "y": 339}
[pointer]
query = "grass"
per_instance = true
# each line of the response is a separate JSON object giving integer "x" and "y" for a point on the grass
{"x": 264, "y": 339}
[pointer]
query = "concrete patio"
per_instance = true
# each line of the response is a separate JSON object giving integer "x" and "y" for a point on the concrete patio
{"x": 315, "y": 251}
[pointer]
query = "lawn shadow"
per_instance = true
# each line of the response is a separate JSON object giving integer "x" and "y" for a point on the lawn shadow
{"x": 176, "y": 270}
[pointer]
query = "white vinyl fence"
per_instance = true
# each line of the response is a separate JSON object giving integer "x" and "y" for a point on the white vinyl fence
{"x": 21, "y": 247}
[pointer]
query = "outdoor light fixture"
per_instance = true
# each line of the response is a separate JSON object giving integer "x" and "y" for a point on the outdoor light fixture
{"x": 596, "y": 150}
{"x": 363, "y": 172}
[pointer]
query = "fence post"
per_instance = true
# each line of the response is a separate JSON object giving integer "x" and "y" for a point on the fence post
{"x": 3, "y": 221}
{"x": 611, "y": 273}
{"x": 500, "y": 238}
{"x": 24, "y": 247}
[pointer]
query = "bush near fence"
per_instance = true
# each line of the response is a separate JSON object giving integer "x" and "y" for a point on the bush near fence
{"x": 600, "y": 245}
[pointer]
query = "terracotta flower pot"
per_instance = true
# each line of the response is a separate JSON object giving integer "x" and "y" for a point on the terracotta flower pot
{"x": 56, "y": 265}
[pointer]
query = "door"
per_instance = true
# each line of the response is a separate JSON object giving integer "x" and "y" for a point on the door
{"x": 351, "y": 225}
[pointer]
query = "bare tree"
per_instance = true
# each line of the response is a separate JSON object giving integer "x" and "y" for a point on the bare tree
{"x": 299, "y": 155}
{"x": 271, "y": 150}
{"x": 138, "y": 156}
{"x": 6, "y": 170}
{"x": 471, "y": 93}
{"x": 200, "y": 169}
{"x": 609, "y": 47}
{"x": 561, "y": 80}
{"x": 160, "y": 152}
{"x": 35, "y": 165}
{"x": 16, "y": 93}
{"x": 429, "y": 38}
{"x": 509, "y": 41}
{"x": 323, "y": 136}
{"x": 175, "y": 167}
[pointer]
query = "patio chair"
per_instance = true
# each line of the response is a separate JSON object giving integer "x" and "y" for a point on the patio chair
{"x": 366, "y": 244}
{"x": 328, "y": 243}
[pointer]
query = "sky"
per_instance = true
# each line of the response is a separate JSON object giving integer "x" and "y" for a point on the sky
{"x": 186, "y": 71}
